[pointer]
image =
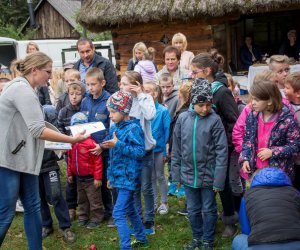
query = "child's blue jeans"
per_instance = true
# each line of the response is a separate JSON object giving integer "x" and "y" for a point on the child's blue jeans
{"x": 202, "y": 212}
{"x": 125, "y": 207}
{"x": 15, "y": 184}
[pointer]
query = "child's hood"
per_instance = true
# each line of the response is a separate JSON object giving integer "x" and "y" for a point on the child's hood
{"x": 147, "y": 65}
{"x": 270, "y": 177}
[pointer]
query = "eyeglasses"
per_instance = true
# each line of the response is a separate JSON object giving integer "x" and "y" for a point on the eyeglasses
{"x": 286, "y": 70}
{"x": 197, "y": 72}
{"x": 48, "y": 71}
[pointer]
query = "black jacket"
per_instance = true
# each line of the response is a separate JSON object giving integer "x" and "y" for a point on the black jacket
{"x": 108, "y": 70}
{"x": 63, "y": 101}
{"x": 64, "y": 118}
{"x": 44, "y": 96}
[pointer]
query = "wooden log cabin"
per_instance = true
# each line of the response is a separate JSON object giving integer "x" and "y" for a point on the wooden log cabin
{"x": 56, "y": 19}
{"x": 221, "y": 24}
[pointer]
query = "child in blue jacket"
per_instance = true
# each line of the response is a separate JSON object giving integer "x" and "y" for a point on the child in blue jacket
{"x": 127, "y": 147}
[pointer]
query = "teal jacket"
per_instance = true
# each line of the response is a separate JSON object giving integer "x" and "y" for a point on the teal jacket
{"x": 200, "y": 151}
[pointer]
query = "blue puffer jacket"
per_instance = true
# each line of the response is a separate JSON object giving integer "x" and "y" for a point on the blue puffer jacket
{"x": 160, "y": 126}
{"x": 96, "y": 111}
{"x": 124, "y": 166}
{"x": 270, "y": 177}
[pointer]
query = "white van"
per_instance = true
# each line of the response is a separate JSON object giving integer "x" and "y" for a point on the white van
{"x": 11, "y": 49}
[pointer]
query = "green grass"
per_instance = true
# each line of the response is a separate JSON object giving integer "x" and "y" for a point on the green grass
{"x": 172, "y": 232}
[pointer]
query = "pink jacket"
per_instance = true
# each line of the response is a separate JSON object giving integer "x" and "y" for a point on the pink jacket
{"x": 240, "y": 126}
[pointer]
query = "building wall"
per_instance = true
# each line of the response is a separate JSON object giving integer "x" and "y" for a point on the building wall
{"x": 53, "y": 25}
{"x": 199, "y": 36}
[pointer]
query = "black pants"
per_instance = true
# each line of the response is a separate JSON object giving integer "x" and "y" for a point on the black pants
{"x": 106, "y": 193}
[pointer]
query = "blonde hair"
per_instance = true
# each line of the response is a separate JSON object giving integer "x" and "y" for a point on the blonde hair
{"x": 151, "y": 52}
{"x": 72, "y": 73}
{"x": 294, "y": 80}
{"x": 265, "y": 75}
{"x": 278, "y": 59}
{"x": 95, "y": 72}
{"x": 179, "y": 37}
{"x": 141, "y": 47}
{"x": 23, "y": 67}
{"x": 166, "y": 77}
{"x": 157, "y": 89}
{"x": 134, "y": 77}
{"x": 13, "y": 69}
{"x": 231, "y": 82}
{"x": 32, "y": 44}
{"x": 185, "y": 91}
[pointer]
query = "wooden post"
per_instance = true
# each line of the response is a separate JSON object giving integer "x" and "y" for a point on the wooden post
{"x": 228, "y": 45}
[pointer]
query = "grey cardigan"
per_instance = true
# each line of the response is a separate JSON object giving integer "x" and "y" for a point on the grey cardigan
{"x": 21, "y": 123}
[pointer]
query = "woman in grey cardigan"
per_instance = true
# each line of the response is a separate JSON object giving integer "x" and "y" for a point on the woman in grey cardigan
{"x": 22, "y": 136}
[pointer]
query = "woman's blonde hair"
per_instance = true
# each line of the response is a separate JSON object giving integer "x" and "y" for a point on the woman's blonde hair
{"x": 185, "y": 91}
{"x": 179, "y": 37}
{"x": 134, "y": 77}
{"x": 37, "y": 60}
{"x": 32, "y": 44}
{"x": 141, "y": 47}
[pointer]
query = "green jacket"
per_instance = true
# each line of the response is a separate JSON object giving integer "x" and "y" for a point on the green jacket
{"x": 199, "y": 153}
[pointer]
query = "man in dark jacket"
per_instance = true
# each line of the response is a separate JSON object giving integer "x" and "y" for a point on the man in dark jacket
{"x": 90, "y": 59}
{"x": 269, "y": 214}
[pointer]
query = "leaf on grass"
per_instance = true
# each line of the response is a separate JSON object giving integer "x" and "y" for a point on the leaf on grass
{"x": 20, "y": 235}
{"x": 113, "y": 239}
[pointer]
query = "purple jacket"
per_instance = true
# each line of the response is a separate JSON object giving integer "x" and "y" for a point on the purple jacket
{"x": 284, "y": 141}
{"x": 147, "y": 70}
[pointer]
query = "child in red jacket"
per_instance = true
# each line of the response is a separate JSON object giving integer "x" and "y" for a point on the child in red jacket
{"x": 88, "y": 169}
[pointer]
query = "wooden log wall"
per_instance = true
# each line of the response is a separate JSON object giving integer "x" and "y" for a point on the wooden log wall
{"x": 199, "y": 36}
{"x": 53, "y": 25}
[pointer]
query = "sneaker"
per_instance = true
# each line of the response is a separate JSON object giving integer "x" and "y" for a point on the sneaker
{"x": 137, "y": 244}
{"x": 183, "y": 212}
{"x": 180, "y": 193}
{"x": 19, "y": 207}
{"x": 172, "y": 189}
{"x": 111, "y": 222}
{"x": 92, "y": 225}
{"x": 229, "y": 231}
{"x": 46, "y": 231}
{"x": 196, "y": 243}
{"x": 72, "y": 213}
{"x": 149, "y": 228}
{"x": 69, "y": 236}
{"x": 207, "y": 245}
{"x": 163, "y": 209}
{"x": 82, "y": 223}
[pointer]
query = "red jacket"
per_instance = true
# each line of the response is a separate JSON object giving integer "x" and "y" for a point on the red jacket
{"x": 81, "y": 162}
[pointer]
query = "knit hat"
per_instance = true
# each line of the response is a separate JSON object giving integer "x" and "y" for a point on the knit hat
{"x": 201, "y": 91}
{"x": 120, "y": 101}
{"x": 79, "y": 118}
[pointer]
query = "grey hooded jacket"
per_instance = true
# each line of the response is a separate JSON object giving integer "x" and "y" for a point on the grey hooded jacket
{"x": 199, "y": 152}
{"x": 22, "y": 123}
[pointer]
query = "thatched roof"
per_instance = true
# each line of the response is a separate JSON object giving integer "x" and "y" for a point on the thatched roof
{"x": 99, "y": 15}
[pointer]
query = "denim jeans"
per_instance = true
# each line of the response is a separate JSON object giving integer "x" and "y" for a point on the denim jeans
{"x": 14, "y": 184}
{"x": 125, "y": 207}
{"x": 202, "y": 212}
{"x": 50, "y": 191}
{"x": 240, "y": 242}
{"x": 145, "y": 186}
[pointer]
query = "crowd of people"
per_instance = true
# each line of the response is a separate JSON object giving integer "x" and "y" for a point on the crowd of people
{"x": 188, "y": 116}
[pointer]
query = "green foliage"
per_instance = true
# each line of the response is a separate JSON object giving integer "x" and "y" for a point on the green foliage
{"x": 10, "y": 31}
{"x": 106, "y": 35}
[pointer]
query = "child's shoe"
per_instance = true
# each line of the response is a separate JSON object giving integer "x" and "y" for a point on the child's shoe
{"x": 92, "y": 225}
{"x": 172, "y": 189}
{"x": 183, "y": 211}
{"x": 207, "y": 245}
{"x": 180, "y": 192}
{"x": 82, "y": 223}
{"x": 229, "y": 231}
{"x": 137, "y": 244}
{"x": 111, "y": 222}
{"x": 19, "y": 206}
{"x": 69, "y": 236}
{"x": 46, "y": 231}
{"x": 196, "y": 243}
{"x": 72, "y": 213}
{"x": 149, "y": 228}
{"x": 163, "y": 209}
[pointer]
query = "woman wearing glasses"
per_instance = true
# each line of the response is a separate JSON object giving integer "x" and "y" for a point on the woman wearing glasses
{"x": 22, "y": 136}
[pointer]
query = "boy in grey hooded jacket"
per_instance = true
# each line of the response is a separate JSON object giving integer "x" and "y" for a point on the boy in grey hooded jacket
{"x": 199, "y": 162}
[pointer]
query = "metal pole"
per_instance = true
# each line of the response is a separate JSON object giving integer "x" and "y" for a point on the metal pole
{"x": 84, "y": 30}
{"x": 31, "y": 14}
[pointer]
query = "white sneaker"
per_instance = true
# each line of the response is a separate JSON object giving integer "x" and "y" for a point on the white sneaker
{"x": 19, "y": 207}
{"x": 163, "y": 209}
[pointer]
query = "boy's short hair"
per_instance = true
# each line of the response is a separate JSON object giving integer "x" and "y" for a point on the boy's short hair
{"x": 77, "y": 85}
{"x": 278, "y": 59}
{"x": 171, "y": 49}
{"x": 95, "y": 72}
{"x": 166, "y": 77}
{"x": 294, "y": 80}
{"x": 73, "y": 72}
